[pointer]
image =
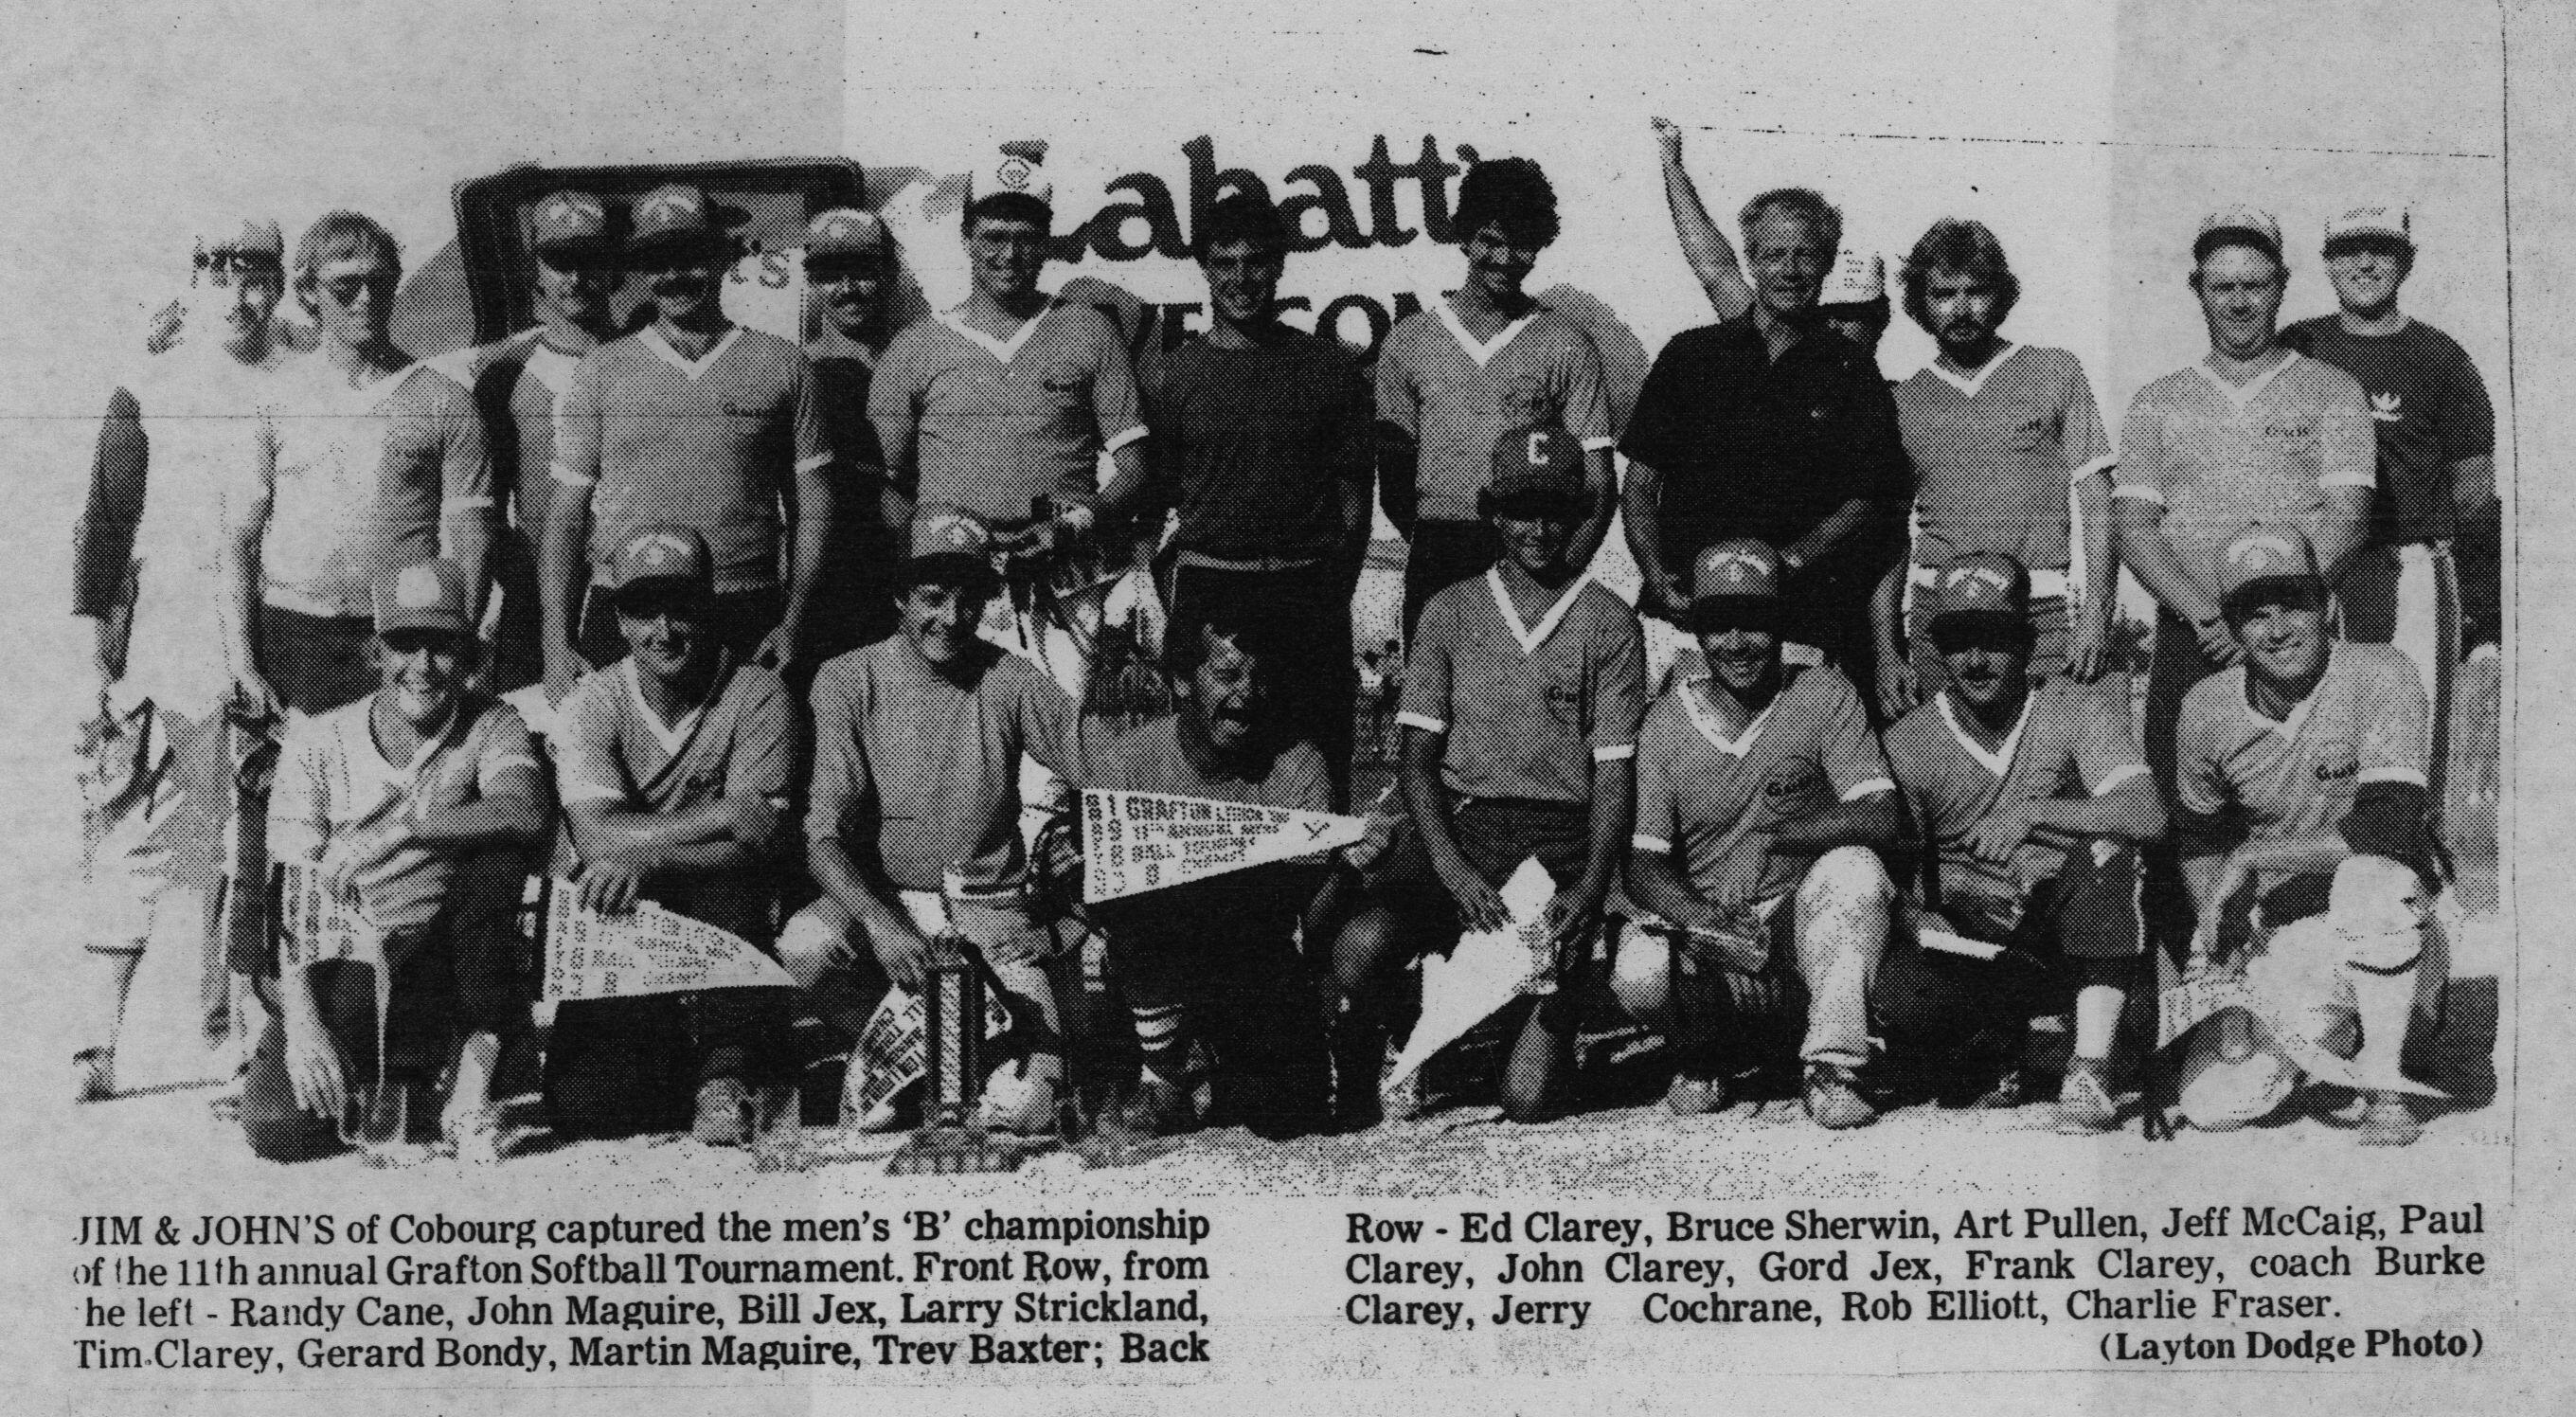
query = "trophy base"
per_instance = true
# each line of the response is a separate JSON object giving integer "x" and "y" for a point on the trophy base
{"x": 959, "y": 1151}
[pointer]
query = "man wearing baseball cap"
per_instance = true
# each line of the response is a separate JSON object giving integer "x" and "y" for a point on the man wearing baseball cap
{"x": 1762, "y": 804}
{"x": 403, "y": 801}
{"x": 516, "y": 381}
{"x": 914, "y": 824}
{"x": 697, "y": 422}
{"x": 1522, "y": 692}
{"x": 145, "y": 572}
{"x": 2250, "y": 432}
{"x": 850, "y": 268}
{"x": 677, "y": 767}
{"x": 2436, "y": 439}
{"x": 2304, "y": 756}
{"x": 2031, "y": 800}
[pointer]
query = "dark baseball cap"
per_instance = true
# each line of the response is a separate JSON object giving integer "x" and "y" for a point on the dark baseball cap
{"x": 1538, "y": 467}
{"x": 2237, "y": 224}
{"x": 951, "y": 546}
{"x": 2268, "y": 564}
{"x": 569, "y": 223}
{"x": 1984, "y": 594}
{"x": 426, "y": 596}
{"x": 678, "y": 218}
{"x": 656, "y": 564}
{"x": 1736, "y": 583}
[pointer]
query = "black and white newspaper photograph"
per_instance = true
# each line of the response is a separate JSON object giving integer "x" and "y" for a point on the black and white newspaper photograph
{"x": 1020, "y": 707}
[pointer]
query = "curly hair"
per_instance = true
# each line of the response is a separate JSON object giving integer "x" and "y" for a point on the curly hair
{"x": 1512, "y": 193}
{"x": 1961, "y": 247}
{"x": 1242, "y": 217}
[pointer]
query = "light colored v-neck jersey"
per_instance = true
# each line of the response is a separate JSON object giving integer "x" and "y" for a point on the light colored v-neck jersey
{"x": 1526, "y": 709}
{"x": 1995, "y": 454}
{"x": 2073, "y": 740}
{"x": 1456, "y": 395}
{"x": 2364, "y": 722}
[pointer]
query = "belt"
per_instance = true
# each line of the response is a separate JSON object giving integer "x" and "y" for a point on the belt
{"x": 2045, "y": 584}
{"x": 1203, "y": 561}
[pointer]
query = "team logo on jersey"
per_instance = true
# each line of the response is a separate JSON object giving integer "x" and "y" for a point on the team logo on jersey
{"x": 1790, "y": 780}
{"x": 2336, "y": 760}
{"x": 2388, "y": 408}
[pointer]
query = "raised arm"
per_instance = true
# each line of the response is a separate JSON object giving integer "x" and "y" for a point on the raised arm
{"x": 1704, "y": 244}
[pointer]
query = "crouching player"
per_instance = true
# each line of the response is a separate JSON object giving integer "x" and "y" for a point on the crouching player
{"x": 1760, "y": 797}
{"x": 2030, "y": 801}
{"x": 2297, "y": 767}
{"x": 1521, "y": 699}
{"x": 1214, "y": 961}
{"x": 402, "y": 800}
{"x": 914, "y": 823}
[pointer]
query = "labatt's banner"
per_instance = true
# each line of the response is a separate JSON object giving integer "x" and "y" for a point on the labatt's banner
{"x": 1143, "y": 841}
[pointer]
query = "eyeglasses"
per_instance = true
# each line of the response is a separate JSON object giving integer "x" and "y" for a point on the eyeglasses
{"x": 417, "y": 641}
{"x": 345, "y": 290}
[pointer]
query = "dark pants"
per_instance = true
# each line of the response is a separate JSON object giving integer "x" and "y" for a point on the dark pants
{"x": 1440, "y": 555}
{"x": 618, "y": 1067}
{"x": 518, "y": 631}
{"x": 1301, "y": 619}
{"x": 739, "y": 620}
{"x": 2077, "y": 928}
{"x": 316, "y": 663}
{"x": 2175, "y": 666}
{"x": 1249, "y": 998}
{"x": 420, "y": 1030}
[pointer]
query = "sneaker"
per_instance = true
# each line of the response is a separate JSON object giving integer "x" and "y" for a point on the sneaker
{"x": 1833, "y": 1098}
{"x": 2387, "y": 1122}
{"x": 721, "y": 1104}
{"x": 1695, "y": 1096}
{"x": 2011, "y": 1089}
{"x": 2084, "y": 1101}
{"x": 1160, "y": 1108}
{"x": 93, "y": 1075}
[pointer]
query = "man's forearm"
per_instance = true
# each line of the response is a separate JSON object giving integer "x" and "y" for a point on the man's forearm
{"x": 817, "y": 513}
{"x": 2101, "y": 563}
{"x": 2340, "y": 529}
{"x": 839, "y": 877}
{"x": 1600, "y": 487}
{"x": 560, "y": 570}
{"x": 1657, "y": 880}
{"x": 467, "y": 540}
{"x": 1704, "y": 244}
{"x": 505, "y": 820}
{"x": 2130, "y": 811}
{"x": 240, "y": 608}
{"x": 1614, "y": 811}
{"x": 1871, "y": 821}
{"x": 597, "y": 830}
{"x": 1425, "y": 797}
{"x": 1641, "y": 517}
{"x": 1887, "y": 614}
{"x": 1830, "y": 533}
{"x": 2147, "y": 553}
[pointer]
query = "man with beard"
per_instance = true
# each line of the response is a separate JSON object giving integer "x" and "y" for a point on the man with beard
{"x": 1483, "y": 359}
{"x": 396, "y": 799}
{"x": 516, "y": 383}
{"x": 2030, "y": 799}
{"x": 850, "y": 270}
{"x": 677, "y": 768}
{"x": 914, "y": 823}
{"x": 1214, "y": 961}
{"x": 1010, "y": 399}
{"x": 1522, "y": 693}
{"x": 366, "y": 459}
{"x": 2297, "y": 763}
{"x": 1261, "y": 438}
{"x": 693, "y": 421}
{"x": 2253, "y": 432}
{"x": 2010, "y": 460}
{"x": 2436, "y": 436}
{"x": 145, "y": 573}
{"x": 1770, "y": 426}
{"x": 1761, "y": 803}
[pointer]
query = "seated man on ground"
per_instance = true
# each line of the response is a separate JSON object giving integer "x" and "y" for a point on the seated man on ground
{"x": 914, "y": 825}
{"x": 2295, "y": 766}
{"x": 677, "y": 764}
{"x": 1214, "y": 962}
{"x": 402, "y": 801}
{"x": 1521, "y": 699}
{"x": 1761, "y": 802}
{"x": 2030, "y": 801}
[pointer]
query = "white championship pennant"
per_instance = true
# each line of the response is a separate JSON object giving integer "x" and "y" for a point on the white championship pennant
{"x": 315, "y": 925}
{"x": 1489, "y": 969}
{"x": 2191, "y": 1003}
{"x": 1146, "y": 841}
{"x": 648, "y": 950}
{"x": 892, "y": 1050}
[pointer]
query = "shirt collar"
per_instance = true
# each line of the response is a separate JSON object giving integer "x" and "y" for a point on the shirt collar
{"x": 1001, "y": 349}
{"x": 1704, "y": 718}
{"x": 2000, "y": 761}
{"x": 2242, "y": 394}
{"x": 1969, "y": 384}
{"x": 1531, "y": 636}
{"x": 1482, "y": 353}
{"x": 651, "y": 338}
{"x": 672, "y": 736}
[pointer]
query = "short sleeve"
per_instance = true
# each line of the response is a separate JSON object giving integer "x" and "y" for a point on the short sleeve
{"x": 762, "y": 759}
{"x": 1307, "y": 786}
{"x": 2106, "y": 753}
{"x": 578, "y": 427}
{"x": 1848, "y": 751}
{"x": 2347, "y": 441}
{"x": 503, "y": 749}
{"x": 1658, "y": 827}
{"x": 1619, "y": 695}
{"x": 299, "y": 801}
{"x": 465, "y": 461}
{"x": 813, "y": 444}
{"x": 1398, "y": 402}
{"x": 1657, "y": 434}
{"x": 1115, "y": 405}
{"x": 2142, "y": 473}
{"x": 1585, "y": 392}
{"x": 1427, "y": 670}
{"x": 894, "y": 406}
{"x": 2080, "y": 435}
{"x": 840, "y": 780}
{"x": 589, "y": 768}
{"x": 2392, "y": 722}
{"x": 1050, "y": 722}
{"x": 2468, "y": 416}
{"x": 2201, "y": 785}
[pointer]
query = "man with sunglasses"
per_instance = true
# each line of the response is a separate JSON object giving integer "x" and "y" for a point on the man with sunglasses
{"x": 516, "y": 382}
{"x": 1762, "y": 804}
{"x": 400, "y": 800}
{"x": 696, "y": 422}
{"x": 145, "y": 573}
{"x": 677, "y": 766}
{"x": 850, "y": 271}
{"x": 2030, "y": 799}
{"x": 367, "y": 459}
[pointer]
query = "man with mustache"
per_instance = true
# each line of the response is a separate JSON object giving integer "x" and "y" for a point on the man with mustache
{"x": 400, "y": 800}
{"x": 1214, "y": 962}
{"x": 146, "y": 575}
{"x": 2301, "y": 791}
{"x": 697, "y": 422}
{"x": 1762, "y": 802}
{"x": 516, "y": 383}
{"x": 1261, "y": 439}
{"x": 2010, "y": 460}
{"x": 1770, "y": 426}
{"x": 850, "y": 271}
{"x": 1478, "y": 362}
{"x": 678, "y": 765}
{"x": 2030, "y": 798}
{"x": 2251, "y": 432}
{"x": 914, "y": 823}
{"x": 2436, "y": 436}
